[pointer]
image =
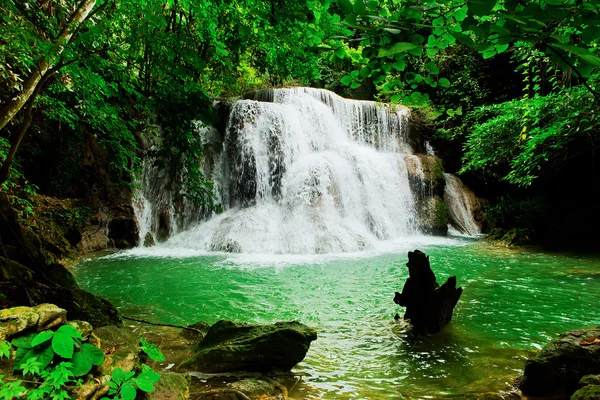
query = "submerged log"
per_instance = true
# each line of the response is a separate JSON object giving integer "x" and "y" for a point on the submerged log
{"x": 428, "y": 305}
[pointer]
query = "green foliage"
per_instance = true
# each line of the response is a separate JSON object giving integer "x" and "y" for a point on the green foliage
{"x": 519, "y": 140}
{"x": 54, "y": 360}
{"x": 398, "y": 39}
{"x": 151, "y": 350}
{"x": 124, "y": 385}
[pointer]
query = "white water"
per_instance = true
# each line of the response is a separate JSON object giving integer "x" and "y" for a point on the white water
{"x": 457, "y": 200}
{"x": 309, "y": 173}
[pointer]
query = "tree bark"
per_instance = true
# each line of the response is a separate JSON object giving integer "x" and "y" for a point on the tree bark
{"x": 14, "y": 105}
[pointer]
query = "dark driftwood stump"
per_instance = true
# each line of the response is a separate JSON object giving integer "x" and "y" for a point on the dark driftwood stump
{"x": 428, "y": 305}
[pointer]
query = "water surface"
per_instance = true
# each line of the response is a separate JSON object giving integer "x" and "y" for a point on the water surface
{"x": 513, "y": 303}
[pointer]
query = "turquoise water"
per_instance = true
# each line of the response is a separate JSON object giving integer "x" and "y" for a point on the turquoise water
{"x": 513, "y": 303}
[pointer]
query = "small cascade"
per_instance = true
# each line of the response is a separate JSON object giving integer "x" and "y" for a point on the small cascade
{"x": 464, "y": 209}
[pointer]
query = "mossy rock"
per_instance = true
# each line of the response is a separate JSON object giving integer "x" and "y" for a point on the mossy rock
{"x": 120, "y": 346}
{"x": 590, "y": 392}
{"x": 230, "y": 346}
{"x": 425, "y": 175}
{"x": 560, "y": 365}
{"x": 433, "y": 216}
{"x": 172, "y": 386}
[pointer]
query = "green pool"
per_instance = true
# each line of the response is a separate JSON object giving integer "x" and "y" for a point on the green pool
{"x": 514, "y": 302}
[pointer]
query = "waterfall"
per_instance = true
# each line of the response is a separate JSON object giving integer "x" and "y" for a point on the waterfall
{"x": 462, "y": 205}
{"x": 307, "y": 172}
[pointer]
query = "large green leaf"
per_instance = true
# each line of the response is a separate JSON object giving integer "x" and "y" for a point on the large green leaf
{"x": 24, "y": 341}
{"x": 396, "y": 48}
{"x": 346, "y": 6}
{"x": 82, "y": 363}
{"x": 580, "y": 52}
{"x": 128, "y": 391}
{"x": 146, "y": 380}
{"x": 95, "y": 353}
{"x": 480, "y": 7}
{"x": 70, "y": 331}
{"x": 42, "y": 337}
{"x": 63, "y": 344}
{"x": 359, "y": 7}
{"x": 118, "y": 375}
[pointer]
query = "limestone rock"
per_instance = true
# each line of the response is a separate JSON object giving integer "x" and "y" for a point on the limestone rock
{"x": 429, "y": 306}
{"x": 50, "y": 316}
{"x": 427, "y": 183}
{"x": 17, "y": 319}
{"x": 120, "y": 346}
{"x": 433, "y": 216}
{"x": 560, "y": 365}
{"x": 230, "y": 346}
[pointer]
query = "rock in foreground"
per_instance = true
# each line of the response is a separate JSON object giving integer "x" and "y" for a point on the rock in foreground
{"x": 559, "y": 366}
{"x": 230, "y": 346}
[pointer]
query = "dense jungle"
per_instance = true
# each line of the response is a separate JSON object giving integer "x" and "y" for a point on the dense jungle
{"x": 178, "y": 177}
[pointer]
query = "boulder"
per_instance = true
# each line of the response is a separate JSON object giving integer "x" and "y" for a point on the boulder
{"x": 17, "y": 319}
{"x": 429, "y": 306}
{"x": 172, "y": 386}
{"x": 230, "y": 346}
{"x": 560, "y": 365}
{"x": 120, "y": 346}
{"x": 83, "y": 327}
{"x": 590, "y": 392}
{"x": 50, "y": 316}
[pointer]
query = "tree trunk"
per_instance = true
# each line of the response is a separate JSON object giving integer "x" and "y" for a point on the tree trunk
{"x": 10, "y": 109}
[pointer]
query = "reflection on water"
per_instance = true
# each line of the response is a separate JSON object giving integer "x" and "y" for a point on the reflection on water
{"x": 513, "y": 303}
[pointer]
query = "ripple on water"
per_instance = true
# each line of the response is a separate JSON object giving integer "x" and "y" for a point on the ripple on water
{"x": 513, "y": 303}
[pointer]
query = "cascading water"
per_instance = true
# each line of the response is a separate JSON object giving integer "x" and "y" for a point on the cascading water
{"x": 462, "y": 205}
{"x": 308, "y": 172}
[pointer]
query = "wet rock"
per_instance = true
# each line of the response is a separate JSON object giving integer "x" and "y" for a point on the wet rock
{"x": 61, "y": 276}
{"x": 427, "y": 183}
{"x": 120, "y": 346}
{"x": 172, "y": 386}
{"x": 123, "y": 232}
{"x": 149, "y": 240}
{"x": 465, "y": 211}
{"x": 433, "y": 216}
{"x": 197, "y": 332}
{"x": 230, "y": 346}
{"x": 50, "y": 316}
{"x": 561, "y": 364}
{"x": 253, "y": 387}
{"x": 17, "y": 319}
{"x": 429, "y": 306}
